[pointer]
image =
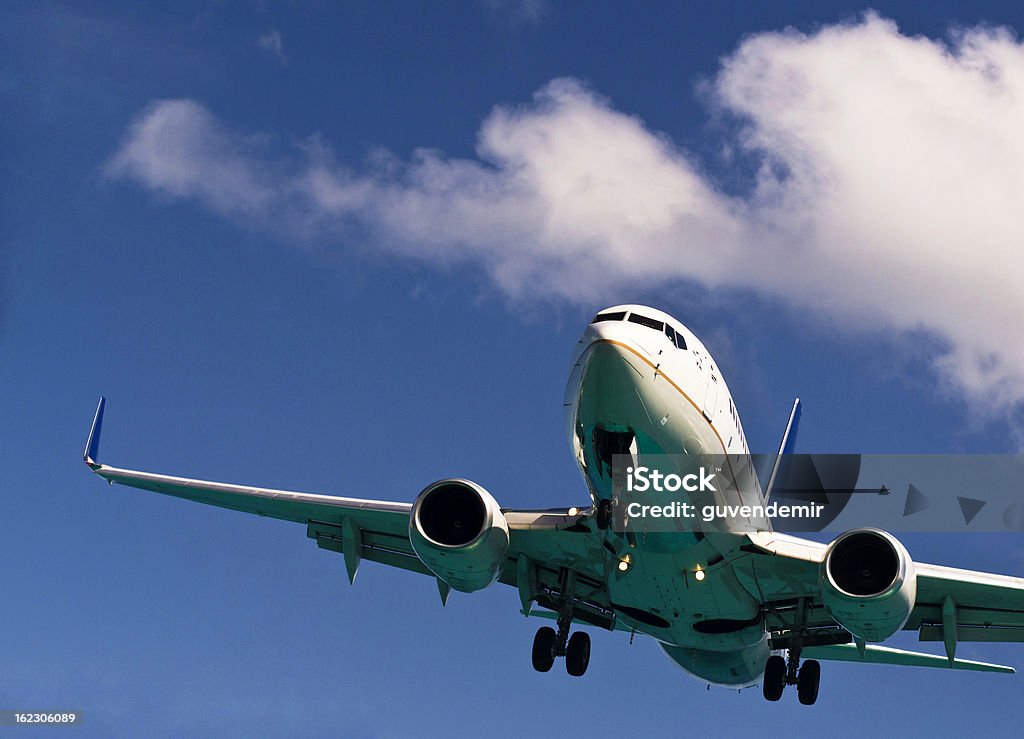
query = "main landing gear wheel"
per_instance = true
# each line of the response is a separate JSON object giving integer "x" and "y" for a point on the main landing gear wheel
{"x": 807, "y": 682}
{"x": 544, "y": 649}
{"x": 577, "y": 654}
{"x": 774, "y": 680}
{"x": 604, "y": 514}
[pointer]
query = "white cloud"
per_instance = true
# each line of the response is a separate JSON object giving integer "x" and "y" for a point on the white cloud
{"x": 889, "y": 195}
{"x": 177, "y": 148}
{"x": 272, "y": 43}
{"x": 518, "y": 11}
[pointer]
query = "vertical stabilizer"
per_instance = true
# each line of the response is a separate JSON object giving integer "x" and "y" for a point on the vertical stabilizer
{"x": 786, "y": 447}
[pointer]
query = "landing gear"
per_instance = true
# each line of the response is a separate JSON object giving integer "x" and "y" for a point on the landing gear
{"x": 609, "y": 444}
{"x": 779, "y": 672}
{"x": 548, "y": 643}
{"x": 807, "y": 682}
{"x": 774, "y": 680}
{"x": 577, "y": 654}
{"x": 543, "y": 649}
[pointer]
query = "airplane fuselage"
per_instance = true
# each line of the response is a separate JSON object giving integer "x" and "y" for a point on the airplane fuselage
{"x": 643, "y": 387}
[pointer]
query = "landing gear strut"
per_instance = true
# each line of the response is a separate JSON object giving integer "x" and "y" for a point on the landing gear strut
{"x": 779, "y": 672}
{"x": 548, "y": 644}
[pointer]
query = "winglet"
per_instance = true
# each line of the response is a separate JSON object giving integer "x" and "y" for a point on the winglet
{"x": 92, "y": 444}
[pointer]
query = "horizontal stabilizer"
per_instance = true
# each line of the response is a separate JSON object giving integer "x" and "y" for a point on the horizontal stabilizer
{"x": 878, "y": 655}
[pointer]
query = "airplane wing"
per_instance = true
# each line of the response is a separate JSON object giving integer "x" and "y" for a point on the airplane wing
{"x": 378, "y": 531}
{"x": 878, "y": 655}
{"x": 952, "y": 605}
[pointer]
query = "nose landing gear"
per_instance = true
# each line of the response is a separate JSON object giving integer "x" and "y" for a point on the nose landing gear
{"x": 607, "y": 445}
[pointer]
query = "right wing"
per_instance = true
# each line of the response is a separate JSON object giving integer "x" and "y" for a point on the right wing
{"x": 543, "y": 545}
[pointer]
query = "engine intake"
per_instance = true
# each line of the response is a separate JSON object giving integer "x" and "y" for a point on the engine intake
{"x": 868, "y": 583}
{"x": 458, "y": 531}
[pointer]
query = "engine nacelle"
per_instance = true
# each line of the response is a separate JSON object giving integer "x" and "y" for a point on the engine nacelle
{"x": 458, "y": 531}
{"x": 868, "y": 583}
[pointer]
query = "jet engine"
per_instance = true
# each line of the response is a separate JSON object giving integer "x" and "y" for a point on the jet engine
{"x": 458, "y": 531}
{"x": 868, "y": 583}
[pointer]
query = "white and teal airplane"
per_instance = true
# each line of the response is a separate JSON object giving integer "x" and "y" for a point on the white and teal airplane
{"x": 733, "y": 608}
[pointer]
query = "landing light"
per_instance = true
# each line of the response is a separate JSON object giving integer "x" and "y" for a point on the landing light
{"x": 699, "y": 574}
{"x": 573, "y": 511}
{"x": 623, "y": 566}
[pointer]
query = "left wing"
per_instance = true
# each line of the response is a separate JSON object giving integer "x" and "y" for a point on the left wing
{"x": 878, "y": 655}
{"x": 952, "y": 605}
{"x": 542, "y": 544}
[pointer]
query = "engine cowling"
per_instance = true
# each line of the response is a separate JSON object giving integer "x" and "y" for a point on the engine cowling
{"x": 868, "y": 583}
{"x": 458, "y": 531}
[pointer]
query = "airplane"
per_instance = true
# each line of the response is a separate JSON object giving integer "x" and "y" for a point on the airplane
{"x": 734, "y": 608}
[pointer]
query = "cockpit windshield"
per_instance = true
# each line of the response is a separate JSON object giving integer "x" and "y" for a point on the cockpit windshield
{"x": 645, "y": 321}
{"x": 676, "y": 337}
{"x": 613, "y": 316}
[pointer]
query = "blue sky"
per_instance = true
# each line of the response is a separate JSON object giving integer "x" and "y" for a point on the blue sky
{"x": 216, "y": 215}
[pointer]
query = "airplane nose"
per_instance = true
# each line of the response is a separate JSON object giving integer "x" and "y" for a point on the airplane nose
{"x": 613, "y": 366}
{"x": 604, "y": 330}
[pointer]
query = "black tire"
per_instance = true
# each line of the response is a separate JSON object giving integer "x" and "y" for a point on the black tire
{"x": 807, "y": 682}
{"x": 774, "y": 680}
{"x": 604, "y": 514}
{"x": 543, "y": 652}
{"x": 577, "y": 654}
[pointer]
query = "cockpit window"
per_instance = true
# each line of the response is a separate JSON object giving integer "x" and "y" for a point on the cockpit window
{"x": 645, "y": 321}
{"x": 614, "y": 316}
{"x": 676, "y": 337}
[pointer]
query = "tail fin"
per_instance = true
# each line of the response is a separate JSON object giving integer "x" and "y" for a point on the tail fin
{"x": 786, "y": 447}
